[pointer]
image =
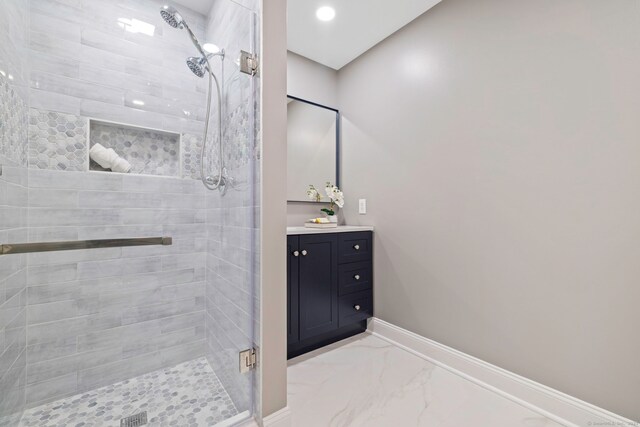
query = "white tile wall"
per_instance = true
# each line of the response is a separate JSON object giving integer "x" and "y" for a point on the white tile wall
{"x": 96, "y": 317}
{"x": 86, "y": 63}
{"x": 14, "y": 106}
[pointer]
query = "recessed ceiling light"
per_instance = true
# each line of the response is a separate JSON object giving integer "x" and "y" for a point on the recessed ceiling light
{"x": 211, "y": 48}
{"x": 138, "y": 102}
{"x": 326, "y": 13}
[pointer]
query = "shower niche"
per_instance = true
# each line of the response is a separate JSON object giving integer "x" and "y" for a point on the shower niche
{"x": 145, "y": 151}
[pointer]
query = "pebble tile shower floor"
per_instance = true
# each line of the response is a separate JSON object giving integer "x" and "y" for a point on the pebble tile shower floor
{"x": 189, "y": 394}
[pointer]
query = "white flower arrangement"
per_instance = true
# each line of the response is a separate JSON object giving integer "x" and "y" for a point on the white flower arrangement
{"x": 334, "y": 194}
{"x": 314, "y": 194}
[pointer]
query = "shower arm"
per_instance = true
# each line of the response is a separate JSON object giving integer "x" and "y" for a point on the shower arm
{"x": 194, "y": 39}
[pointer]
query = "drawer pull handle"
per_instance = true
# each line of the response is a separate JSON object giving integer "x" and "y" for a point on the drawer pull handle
{"x": 296, "y": 253}
{"x": 357, "y": 277}
{"x": 357, "y": 307}
{"x": 356, "y": 247}
{"x": 304, "y": 253}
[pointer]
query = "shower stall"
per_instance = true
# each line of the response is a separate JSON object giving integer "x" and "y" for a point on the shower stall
{"x": 129, "y": 298}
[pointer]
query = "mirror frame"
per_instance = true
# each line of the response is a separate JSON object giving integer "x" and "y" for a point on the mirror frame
{"x": 338, "y": 118}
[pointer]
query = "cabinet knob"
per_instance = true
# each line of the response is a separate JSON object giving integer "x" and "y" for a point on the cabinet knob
{"x": 357, "y": 277}
{"x": 296, "y": 253}
{"x": 304, "y": 253}
{"x": 357, "y": 307}
{"x": 356, "y": 247}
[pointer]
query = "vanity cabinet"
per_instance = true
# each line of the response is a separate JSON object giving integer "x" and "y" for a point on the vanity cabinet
{"x": 329, "y": 288}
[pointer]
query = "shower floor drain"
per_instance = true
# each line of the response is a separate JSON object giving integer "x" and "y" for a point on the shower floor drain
{"x": 134, "y": 420}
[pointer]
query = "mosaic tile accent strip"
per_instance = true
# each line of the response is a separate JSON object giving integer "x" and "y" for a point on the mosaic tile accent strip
{"x": 191, "y": 150}
{"x": 189, "y": 394}
{"x": 13, "y": 124}
{"x": 238, "y": 136}
{"x": 149, "y": 152}
{"x": 57, "y": 141}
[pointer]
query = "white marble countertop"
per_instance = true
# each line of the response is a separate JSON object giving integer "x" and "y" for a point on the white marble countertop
{"x": 338, "y": 229}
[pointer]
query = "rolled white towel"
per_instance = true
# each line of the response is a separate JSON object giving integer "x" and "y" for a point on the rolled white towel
{"x": 101, "y": 156}
{"x": 109, "y": 159}
{"x": 121, "y": 165}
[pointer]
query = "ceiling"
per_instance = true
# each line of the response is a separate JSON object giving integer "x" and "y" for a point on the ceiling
{"x": 358, "y": 26}
{"x": 200, "y": 6}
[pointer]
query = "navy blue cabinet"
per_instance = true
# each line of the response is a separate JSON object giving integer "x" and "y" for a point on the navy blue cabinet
{"x": 329, "y": 288}
{"x": 292, "y": 289}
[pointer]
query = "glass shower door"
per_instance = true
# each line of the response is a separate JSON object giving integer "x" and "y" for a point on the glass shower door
{"x": 121, "y": 333}
{"x": 232, "y": 216}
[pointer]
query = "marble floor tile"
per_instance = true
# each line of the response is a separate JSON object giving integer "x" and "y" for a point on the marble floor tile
{"x": 366, "y": 381}
{"x": 189, "y": 394}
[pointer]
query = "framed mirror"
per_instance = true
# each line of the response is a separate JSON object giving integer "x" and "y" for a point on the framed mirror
{"x": 313, "y": 147}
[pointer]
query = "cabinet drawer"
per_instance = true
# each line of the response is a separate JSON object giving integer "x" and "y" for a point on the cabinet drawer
{"x": 354, "y": 247}
{"x": 355, "y": 308}
{"x": 354, "y": 277}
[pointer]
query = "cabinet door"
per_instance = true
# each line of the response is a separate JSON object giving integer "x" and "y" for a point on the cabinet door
{"x": 292, "y": 289}
{"x": 318, "y": 275}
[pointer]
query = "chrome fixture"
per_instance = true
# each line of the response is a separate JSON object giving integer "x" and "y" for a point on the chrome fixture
{"x": 172, "y": 16}
{"x": 137, "y": 420}
{"x": 248, "y": 360}
{"x": 199, "y": 66}
{"x": 26, "y": 248}
{"x": 248, "y": 63}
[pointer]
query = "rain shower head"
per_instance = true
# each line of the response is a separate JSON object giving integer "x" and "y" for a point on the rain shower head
{"x": 172, "y": 17}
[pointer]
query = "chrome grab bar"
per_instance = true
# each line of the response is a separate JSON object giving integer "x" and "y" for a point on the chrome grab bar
{"x": 26, "y": 248}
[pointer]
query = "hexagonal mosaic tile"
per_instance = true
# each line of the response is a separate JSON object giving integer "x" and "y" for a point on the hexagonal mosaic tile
{"x": 57, "y": 141}
{"x": 191, "y": 152}
{"x": 149, "y": 152}
{"x": 189, "y": 394}
{"x": 13, "y": 124}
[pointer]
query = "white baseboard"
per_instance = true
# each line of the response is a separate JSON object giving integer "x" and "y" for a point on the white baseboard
{"x": 544, "y": 400}
{"x": 281, "y": 418}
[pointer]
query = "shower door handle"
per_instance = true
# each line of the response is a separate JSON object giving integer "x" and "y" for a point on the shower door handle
{"x": 27, "y": 248}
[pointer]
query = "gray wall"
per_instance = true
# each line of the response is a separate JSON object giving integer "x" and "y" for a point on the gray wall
{"x": 14, "y": 110}
{"x": 273, "y": 255}
{"x": 315, "y": 82}
{"x": 497, "y": 143}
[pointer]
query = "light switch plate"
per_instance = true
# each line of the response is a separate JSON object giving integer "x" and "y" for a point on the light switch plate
{"x": 362, "y": 206}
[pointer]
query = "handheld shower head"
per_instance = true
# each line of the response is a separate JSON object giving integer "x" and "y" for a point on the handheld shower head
{"x": 172, "y": 17}
{"x": 197, "y": 66}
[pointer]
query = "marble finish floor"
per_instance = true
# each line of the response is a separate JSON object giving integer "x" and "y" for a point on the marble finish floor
{"x": 366, "y": 381}
{"x": 189, "y": 394}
